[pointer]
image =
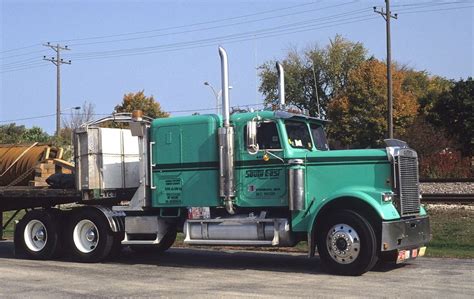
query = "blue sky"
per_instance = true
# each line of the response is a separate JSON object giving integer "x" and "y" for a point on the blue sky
{"x": 176, "y": 50}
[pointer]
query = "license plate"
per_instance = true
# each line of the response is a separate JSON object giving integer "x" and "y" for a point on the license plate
{"x": 404, "y": 255}
{"x": 401, "y": 256}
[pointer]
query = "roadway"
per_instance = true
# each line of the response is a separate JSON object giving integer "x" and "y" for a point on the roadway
{"x": 183, "y": 272}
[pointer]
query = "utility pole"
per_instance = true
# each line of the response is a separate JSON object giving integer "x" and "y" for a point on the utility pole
{"x": 57, "y": 62}
{"x": 387, "y": 15}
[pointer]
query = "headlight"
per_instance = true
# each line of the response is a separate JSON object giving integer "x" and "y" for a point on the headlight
{"x": 388, "y": 196}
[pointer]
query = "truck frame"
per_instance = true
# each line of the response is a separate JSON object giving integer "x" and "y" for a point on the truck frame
{"x": 260, "y": 178}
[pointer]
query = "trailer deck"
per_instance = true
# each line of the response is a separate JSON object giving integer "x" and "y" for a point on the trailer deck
{"x": 17, "y": 198}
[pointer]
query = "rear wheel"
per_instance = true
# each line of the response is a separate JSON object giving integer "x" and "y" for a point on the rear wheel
{"x": 347, "y": 244}
{"x": 36, "y": 235}
{"x": 89, "y": 236}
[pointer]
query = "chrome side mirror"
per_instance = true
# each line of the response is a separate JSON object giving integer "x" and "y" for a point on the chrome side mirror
{"x": 251, "y": 142}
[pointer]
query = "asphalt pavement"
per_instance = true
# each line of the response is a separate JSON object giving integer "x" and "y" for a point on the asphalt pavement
{"x": 184, "y": 272}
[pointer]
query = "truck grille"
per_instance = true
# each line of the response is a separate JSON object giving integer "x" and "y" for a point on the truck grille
{"x": 408, "y": 190}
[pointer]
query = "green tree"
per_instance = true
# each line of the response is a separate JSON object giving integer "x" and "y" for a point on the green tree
{"x": 139, "y": 101}
{"x": 424, "y": 87}
{"x": 454, "y": 111}
{"x": 327, "y": 68}
{"x": 35, "y": 134}
{"x": 13, "y": 134}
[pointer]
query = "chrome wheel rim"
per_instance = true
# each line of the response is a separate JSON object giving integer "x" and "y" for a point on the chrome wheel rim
{"x": 35, "y": 235}
{"x": 86, "y": 236}
{"x": 343, "y": 243}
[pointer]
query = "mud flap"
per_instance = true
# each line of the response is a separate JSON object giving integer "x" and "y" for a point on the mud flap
{"x": 311, "y": 245}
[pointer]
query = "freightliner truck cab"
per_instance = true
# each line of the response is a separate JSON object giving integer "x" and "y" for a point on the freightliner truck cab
{"x": 261, "y": 178}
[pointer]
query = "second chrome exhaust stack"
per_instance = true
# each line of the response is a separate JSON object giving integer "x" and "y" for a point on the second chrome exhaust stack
{"x": 226, "y": 141}
{"x": 281, "y": 84}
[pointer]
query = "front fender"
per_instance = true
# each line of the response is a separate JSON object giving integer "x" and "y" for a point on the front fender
{"x": 386, "y": 210}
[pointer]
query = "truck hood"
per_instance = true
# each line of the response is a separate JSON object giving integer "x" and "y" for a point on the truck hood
{"x": 376, "y": 155}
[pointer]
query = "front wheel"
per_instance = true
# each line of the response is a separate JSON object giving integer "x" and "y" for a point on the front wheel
{"x": 347, "y": 244}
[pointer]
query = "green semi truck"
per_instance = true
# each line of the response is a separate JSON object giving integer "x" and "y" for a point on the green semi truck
{"x": 261, "y": 178}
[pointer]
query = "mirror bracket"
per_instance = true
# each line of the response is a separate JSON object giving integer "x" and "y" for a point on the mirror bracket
{"x": 251, "y": 141}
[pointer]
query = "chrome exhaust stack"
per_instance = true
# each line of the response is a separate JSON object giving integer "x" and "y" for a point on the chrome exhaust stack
{"x": 226, "y": 141}
{"x": 281, "y": 84}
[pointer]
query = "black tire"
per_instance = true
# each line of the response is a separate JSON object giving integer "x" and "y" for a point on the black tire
{"x": 37, "y": 236}
{"x": 347, "y": 244}
{"x": 117, "y": 245}
{"x": 89, "y": 236}
{"x": 164, "y": 245}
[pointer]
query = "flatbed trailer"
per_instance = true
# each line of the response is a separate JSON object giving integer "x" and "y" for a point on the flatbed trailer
{"x": 18, "y": 198}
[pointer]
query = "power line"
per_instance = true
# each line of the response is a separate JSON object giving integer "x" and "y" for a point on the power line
{"x": 105, "y": 114}
{"x": 209, "y": 28}
{"x": 432, "y": 3}
{"x": 19, "y": 62}
{"x": 212, "y": 42}
{"x": 280, "y": 28}
{"x": 164, "y": 29}
{"x": 183, "y": 26}
{"x": 262, "y": 34}
{"x": 24, "y": 68}
{"x": 27, "y": 118}
{"x": 189, "y": 25}
{"x": 434, "y": 10}
{"x": 19, "y": 49}
{"x": 144, "y": 50}
{"x": 267, "y": 33}
{"x": 21, "y": 65}
{"x": 414, "y": 5}
{"x": 23, "y": 54}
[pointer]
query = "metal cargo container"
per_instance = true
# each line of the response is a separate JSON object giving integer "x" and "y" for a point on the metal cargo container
{"x": 106, "y": 159}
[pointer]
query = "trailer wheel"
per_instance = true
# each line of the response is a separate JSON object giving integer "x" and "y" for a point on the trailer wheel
{"x": 36, "y": 235}
{"x": 347, "y": 244}
{"x": 164, "y": 245}
{"x": 89, "y": 236}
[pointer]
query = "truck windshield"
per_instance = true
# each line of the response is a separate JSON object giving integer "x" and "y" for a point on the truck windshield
{"x": 298, "y": 134}
{"x": 319, "y": 137}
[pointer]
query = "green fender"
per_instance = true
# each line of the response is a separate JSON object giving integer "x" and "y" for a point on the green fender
{"x": 386, "y": 211}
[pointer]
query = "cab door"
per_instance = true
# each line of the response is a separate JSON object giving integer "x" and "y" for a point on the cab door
{"x": 262, "y": 177}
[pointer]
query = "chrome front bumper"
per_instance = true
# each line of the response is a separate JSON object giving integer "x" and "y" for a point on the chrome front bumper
{"x": 405, "y": 233}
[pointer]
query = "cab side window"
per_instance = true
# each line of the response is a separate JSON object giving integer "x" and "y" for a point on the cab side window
{"x": 267, "y": 136}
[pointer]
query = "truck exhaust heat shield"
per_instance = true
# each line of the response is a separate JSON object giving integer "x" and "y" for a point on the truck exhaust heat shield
{"x": 296, "y": 178}
{"x": 226, "y": 156}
